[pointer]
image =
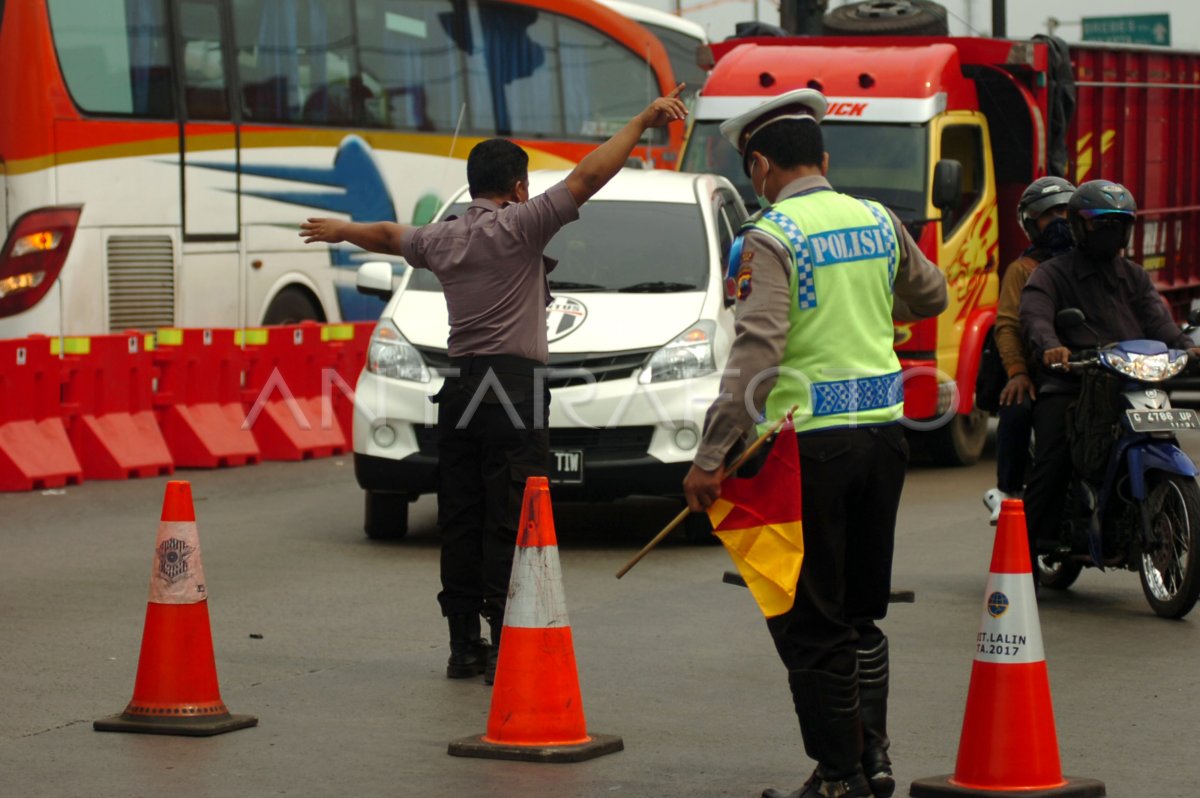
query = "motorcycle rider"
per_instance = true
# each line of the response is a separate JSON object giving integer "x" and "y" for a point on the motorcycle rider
{"x": 1119, "y": 302}
{"x": 1042, "y": 211}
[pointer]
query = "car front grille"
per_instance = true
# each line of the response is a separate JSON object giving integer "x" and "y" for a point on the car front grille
{"x": 598, "y": 445}
{"x": 566, "y": 370}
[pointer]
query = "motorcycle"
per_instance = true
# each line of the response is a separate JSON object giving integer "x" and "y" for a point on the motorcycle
{"x": 1135, "y": 504}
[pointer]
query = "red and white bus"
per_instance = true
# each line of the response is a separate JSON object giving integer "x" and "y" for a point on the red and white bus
{"x": 156, "y": 155}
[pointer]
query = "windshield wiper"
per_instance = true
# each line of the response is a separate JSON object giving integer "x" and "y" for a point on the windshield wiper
{"x": 657, "y": 287}
{"x": 566, "y": 285}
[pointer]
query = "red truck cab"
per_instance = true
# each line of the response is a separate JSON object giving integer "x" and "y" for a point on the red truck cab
{"x": 947, "y": 132}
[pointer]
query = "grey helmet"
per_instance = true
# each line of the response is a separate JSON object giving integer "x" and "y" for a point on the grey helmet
{"x": 1100, "y": 199}
{"x": 1040, "y": 196}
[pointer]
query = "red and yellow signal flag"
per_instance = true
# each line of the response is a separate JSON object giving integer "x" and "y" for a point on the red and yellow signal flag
{"x": 758, "y": 520}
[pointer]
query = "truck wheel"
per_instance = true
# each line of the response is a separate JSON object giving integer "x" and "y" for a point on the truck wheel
{"x": 291, "y": 306}
{"x": 888, "y": 18}
{"x": 386, "y": 515}
{"x": 960, "y": 441}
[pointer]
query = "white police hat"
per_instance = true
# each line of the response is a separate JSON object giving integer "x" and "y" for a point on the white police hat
{"x": 795, "y": 104}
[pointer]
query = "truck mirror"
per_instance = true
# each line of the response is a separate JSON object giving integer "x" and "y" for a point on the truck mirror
{"x": 947, "y": 185}
{"x": 374, "y": 278}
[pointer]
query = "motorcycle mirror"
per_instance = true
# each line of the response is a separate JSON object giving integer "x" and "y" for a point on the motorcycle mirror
{"x": 1070, "y": 317}
{"x": 1193, "y": 317}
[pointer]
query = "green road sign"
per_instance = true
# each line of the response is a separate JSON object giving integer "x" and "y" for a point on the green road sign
{"x": 1141, "y": 29}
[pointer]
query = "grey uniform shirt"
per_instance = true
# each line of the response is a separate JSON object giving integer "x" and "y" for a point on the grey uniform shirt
{"x": 490, "y": 264}
{"x": 761, "y": 325}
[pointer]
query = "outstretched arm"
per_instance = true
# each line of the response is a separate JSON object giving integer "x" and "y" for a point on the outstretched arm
{"x": 383, "y": 237}
{"x": 601, "y": 164}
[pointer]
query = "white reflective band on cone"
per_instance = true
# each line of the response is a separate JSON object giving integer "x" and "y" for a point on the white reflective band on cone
{"x": 1009, "y": 633}
{"x": 178, "y": 575}
{"x": 535, "y": 594}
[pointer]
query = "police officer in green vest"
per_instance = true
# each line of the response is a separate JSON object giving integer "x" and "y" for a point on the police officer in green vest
{"x": 819, "y": 277}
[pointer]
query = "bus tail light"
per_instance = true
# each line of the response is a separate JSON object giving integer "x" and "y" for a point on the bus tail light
{"x": 33, "y": 256}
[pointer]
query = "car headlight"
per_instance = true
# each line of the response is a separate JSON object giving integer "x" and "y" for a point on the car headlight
{"x": 391, "y": 355}
{"x": 690, "y": 355}
{"x": 1146, "y": 368}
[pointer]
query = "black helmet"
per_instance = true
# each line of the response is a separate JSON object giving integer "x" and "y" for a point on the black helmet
{"x": 1040, "y": 196}
{"x": 1100, "y": 199}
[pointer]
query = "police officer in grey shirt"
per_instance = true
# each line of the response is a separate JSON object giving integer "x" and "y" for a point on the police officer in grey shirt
{"x": 491, "y": 428}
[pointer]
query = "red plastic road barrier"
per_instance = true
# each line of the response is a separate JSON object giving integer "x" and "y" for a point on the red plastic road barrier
{"x": 287, "y": 392}
{"x": 116, "y": 434}
{"x": 35, "y": 452}
{"x": 199, "y": 398}
{"x": 348, "y": 344}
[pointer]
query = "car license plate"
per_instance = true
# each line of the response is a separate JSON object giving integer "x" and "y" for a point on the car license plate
{"x": 566, "y": 466}
{"x": 1162, "y": 420}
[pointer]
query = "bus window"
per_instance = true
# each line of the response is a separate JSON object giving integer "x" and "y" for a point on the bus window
{"x": 518, "y": 45}
{"x": 205, "y": 95}
{"x": 604, "y": 83}
{"x": 681, "y": 49}
{"x": 296, "y": 61}
{"x": 412, "y": 65}
{"x": 115, "y": 55}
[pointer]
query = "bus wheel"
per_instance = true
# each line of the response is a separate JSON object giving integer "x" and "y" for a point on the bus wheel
{"x": 385, "y": 516}
{"x": 960, "y": 441}
{"x": 887, "y": 18}
{"x": 292, "y": 305}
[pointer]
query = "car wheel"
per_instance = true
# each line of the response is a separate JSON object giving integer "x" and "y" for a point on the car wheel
{"x": 887, "y": 18}
{"x": 385, "y": 516}
{"x": 291, "y": 306}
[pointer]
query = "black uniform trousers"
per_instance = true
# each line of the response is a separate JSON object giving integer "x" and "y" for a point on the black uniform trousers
{"x": 488, "y": 445}
{"x": 850, "y": 482}
{"x": 1050, "y": 476}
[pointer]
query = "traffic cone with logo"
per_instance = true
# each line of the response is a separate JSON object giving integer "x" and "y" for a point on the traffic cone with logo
{"x": 536, "y": 713}
{"x": 1008, "y": 744}
{"x": 176, "y": 687}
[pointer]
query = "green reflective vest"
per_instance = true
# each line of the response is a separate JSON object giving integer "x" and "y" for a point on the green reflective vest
{"x": 838, "y": 364}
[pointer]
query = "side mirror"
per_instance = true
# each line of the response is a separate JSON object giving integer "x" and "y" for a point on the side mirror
{"x": 1068, "y": 318}
{"x": 947, "y": 185}
{"x": 1193, "y": 317}
{"x": 374, "y": 278}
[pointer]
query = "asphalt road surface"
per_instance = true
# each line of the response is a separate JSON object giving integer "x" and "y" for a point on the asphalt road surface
{"x": 335, "y": 643}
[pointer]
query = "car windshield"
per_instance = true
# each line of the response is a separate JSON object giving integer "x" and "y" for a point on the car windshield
{"x": 884, "y": 162}
{"x": 637, "y": 247}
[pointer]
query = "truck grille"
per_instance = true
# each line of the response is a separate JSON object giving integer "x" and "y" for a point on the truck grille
{"x": 141, "y": 283}
{"x": 597, "y": 445}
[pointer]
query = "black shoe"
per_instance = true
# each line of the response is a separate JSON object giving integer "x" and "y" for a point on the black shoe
{"x": 873, "y": 696}
{"x": 468, "y": 651}
{"x": 855, "y": 786}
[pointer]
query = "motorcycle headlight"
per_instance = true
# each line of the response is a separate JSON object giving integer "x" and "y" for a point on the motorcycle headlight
{"x": 689, "y": 355}
{"x": 1146, "y": 368}
{"x": 391, "y": 355}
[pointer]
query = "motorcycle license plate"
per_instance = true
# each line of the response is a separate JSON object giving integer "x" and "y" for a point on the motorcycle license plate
{"x": 1176, "y": 418}
{"x": 566, "y": 466}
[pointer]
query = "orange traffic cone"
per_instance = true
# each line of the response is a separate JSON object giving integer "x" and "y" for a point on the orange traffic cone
{"x": 176, "y": 687}
{"x": 1008, "y": 743}
{"x": 537, "y": 713}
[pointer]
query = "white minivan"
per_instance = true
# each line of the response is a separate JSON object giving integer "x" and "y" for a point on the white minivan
{"x": 639, "y": 327}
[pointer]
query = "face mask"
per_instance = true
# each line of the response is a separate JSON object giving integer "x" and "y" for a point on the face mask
{"x": 763, "y": 202}
{"x": 1056, "y": 238}
{"x": 1105, "y": 241}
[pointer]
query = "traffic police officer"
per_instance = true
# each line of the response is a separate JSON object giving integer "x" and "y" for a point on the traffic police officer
{"x": 819, "y": 277}
{"x": 490, "y": 436}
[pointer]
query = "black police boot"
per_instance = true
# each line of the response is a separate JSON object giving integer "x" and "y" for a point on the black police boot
{"x": 468, "y": 651}
{"x": 873, "y": 695}
{"x": 830, "y": 723}
{"x": 493, "y": 653}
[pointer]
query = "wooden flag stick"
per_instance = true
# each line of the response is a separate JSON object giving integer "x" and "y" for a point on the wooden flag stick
{"x": 677, "y": 520}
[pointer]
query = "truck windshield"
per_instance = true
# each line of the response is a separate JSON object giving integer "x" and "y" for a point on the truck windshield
{"x": 888, "y": 163}
{"x": 632, "y": 247}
